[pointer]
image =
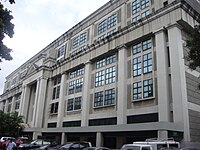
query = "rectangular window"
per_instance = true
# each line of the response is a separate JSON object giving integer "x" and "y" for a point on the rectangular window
{"x": 75, "y": 42}
{"x": 136, "y": 48}
{"x": 147, "y": 63}
{"x": 146, "y": 44}
{"x": 145, "y": 4}
{"x": 70, "y": 104}
{"x": 72, "y": 86}
{"x": 102, "y": 27}
{"x": 135, "y": 6}
{"x": 61, "y": 51}
{"x": 100, "y": 63}
{"x": 136, "y": 18}
{"x": 56, "y": 92}
{"x": 109, "y": 97}
{"x": 54, "y": 108}
{"x": 79, "y": 85}
{"x": 9, "y": 105}
{"x": 99, "y": 79}
{"x": 148, "y": 88}
{"x": 145, "y": 13}
{"x": 83, "y": 38}
{"x": 76, "y": 73}
{"x": 137, "y": 90}
{"x": 111, "y": 59}
{"x": 137, "y": 70}
{"x": 112, "y": 21}
{"x": 17, "y": 101}
{"x": 110, "y": 75}
{"x": 98, "y": 99}
{"x": 77, "y": 103}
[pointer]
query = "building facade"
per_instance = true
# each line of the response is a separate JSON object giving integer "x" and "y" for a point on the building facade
{"x": 116, "y": 77}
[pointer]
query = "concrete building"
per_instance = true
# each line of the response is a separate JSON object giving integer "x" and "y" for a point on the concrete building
{"x": 116, "y": 77}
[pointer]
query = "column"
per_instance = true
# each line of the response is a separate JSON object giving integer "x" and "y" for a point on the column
{"x": 13, "y": 104}
{"x": 178, "y": 77}
{"x": 162, "y": 76}
{"x": 122, "y": 86}
{"x": 63, "y": 138}
{"x": 40, "y": 102}
{"x": 48, "y": 100}
{"x": 86, "y": 94}
{"x": 6, "y": 106}
{"x": 162, "y": 134}
{"x": 35, "y": 104}
{"x": 25, "y": 102}
{"x": 99, "y": 139}
{"x": 36, "y": 135}
{"x": 61, "y": 105}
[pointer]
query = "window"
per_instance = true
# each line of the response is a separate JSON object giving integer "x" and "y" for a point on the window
{"x": 103, "y": 121}
{"x": 147, "y": 63}
{"x": 145, "y": 4}
{"x": 111, "y": 59}
{"x": 54, "y": 108}
{"x": 140, "y": 9}
{"x": 106, "y": 61}
{"x": 112, "y": 21}
{"x": 74, "y": 104}
{"x": 109, "y": 97}
{"x": 104, "y": 98}
{"x": 72, "y": 85}
{"x": 76, "y": 73}
{"x": 137, "y": 66}
{"x": 70, "y": 104}
{"x": 75, "y": 86}
{"x": 135, "y": 6}
{"x": 79, "y": 85}
{"x": 14, "y": 81}
{"x": 110, "y": 75}
{"x": 99, "y": 79}
{"x": 137, "y": 90}
{"x": 83, "y": 38}
{"x": 102, "y": 27}
{"x": 9, "y": 104}
{"x": 142, "y": 62}
{"x": 107, "y": 25}
{"x": 60, "y": 52}
{"x": 75, "y": 42}
{"x": 78, "y": 40}
{"x": 98, "y": 99}
{"x": 148, "y": 88}
{"x": 136, "y": 48}
{"x": 100, "y": 63}
{"x": 17, "y": 101}
{"x": 56, "y": 88}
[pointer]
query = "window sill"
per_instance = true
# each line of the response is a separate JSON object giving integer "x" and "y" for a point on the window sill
{"x": 144, "y": 99}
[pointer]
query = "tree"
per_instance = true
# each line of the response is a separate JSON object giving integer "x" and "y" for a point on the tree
{"x": 10, "y": 124}
{"x": 193, "y": 56}
{"x": 6, "y": 28}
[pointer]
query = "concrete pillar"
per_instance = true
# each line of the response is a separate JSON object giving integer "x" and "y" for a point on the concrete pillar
{"x": 34, "y": 98}
{"x": 13, "y": 104}
{"x": 40, "y": 102}
{"x": 36, "y": 135}
{"x": 6, "y": 106}
{"x": 178, "y": 78}
{"x": 25, "y": 102}
{"x": 62, "y": 100}
{"x": 48, "y": 100}
{"x": 122, "y": 86}
{"x": 86, "y": 95}
{"x": 63, "y": 138}
{"x": 162, "y": 76}
{"x": 99, "y": 139}
{"x": 162, "y": 134}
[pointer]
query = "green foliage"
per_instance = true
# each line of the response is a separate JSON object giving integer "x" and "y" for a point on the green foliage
{"x": 193, "y": 56}
{"x": 6, "y": 28}
{"x": 10, "y": 124}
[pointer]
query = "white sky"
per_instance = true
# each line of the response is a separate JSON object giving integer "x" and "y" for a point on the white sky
{"x": 38, "y": 23}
